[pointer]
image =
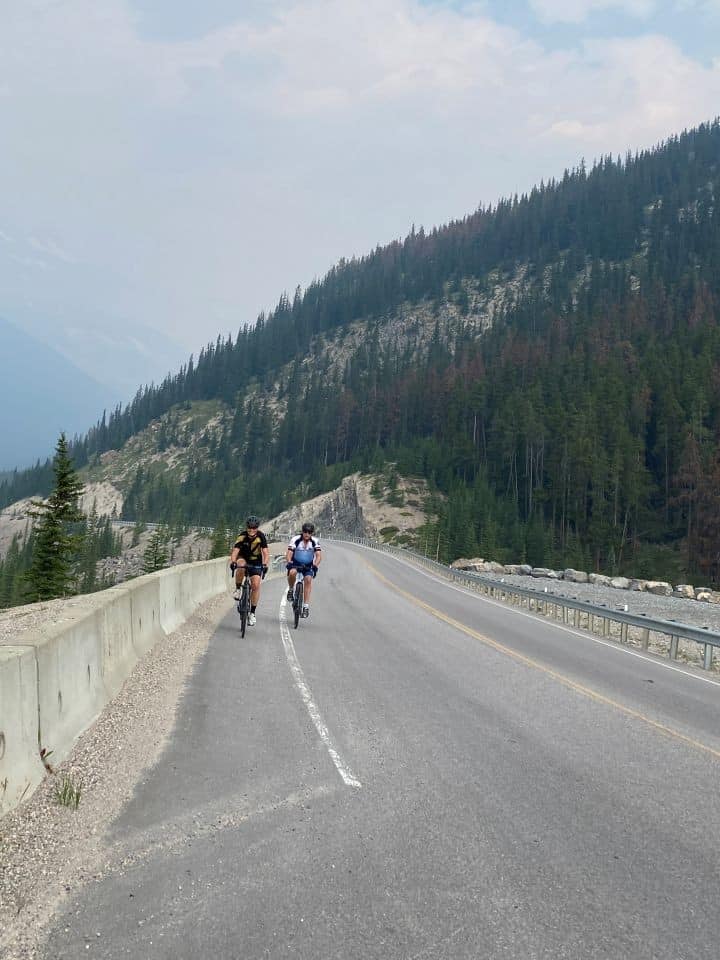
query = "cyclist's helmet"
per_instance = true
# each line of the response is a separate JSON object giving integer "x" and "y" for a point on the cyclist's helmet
{"x": 308, "y": 528}
{"x": 252, "y": 521}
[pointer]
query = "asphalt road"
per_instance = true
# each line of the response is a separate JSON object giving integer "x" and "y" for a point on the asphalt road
{"x": 417, "y": 772}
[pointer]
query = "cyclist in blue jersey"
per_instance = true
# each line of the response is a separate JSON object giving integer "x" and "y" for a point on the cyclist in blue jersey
{"x": 303, "y": 553}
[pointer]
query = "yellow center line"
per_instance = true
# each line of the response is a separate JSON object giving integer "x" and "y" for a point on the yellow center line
{"x": 536, "y": 665}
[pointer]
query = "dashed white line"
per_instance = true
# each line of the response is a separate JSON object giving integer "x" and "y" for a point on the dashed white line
{"x": 298, "y": 676}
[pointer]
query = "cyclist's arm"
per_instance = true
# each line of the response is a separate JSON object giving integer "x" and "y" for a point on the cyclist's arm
{"x": 264, "y": 550}
{"x": 318, "y": 556}
{"x": 235, "y": 553}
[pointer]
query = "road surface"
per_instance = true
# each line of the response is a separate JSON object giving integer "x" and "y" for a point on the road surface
{"x": 417, "y": 772}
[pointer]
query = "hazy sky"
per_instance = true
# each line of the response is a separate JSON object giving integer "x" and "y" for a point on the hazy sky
{"x": 171, "y": 166}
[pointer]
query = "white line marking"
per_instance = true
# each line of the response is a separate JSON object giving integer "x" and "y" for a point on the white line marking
{"x": 348, "y": 777}
{"x": 647, "y": 658}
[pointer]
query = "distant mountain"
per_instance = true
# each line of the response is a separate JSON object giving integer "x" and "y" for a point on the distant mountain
{"x": 127, "y": 352}
{"x": 550, "y": 366}
{"x": 41, "y": 394}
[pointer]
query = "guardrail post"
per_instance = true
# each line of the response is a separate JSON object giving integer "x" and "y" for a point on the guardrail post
{"x": 606, "y": 626}
{"x": 623, "y": 632}
{"x": 708, "y": 658}
{"x": 674, "y": 647}
{"x": 645, "y": 639}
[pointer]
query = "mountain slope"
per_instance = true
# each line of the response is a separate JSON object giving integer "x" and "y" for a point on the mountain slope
{"x": 41, "y": 394}
{"x": 550, "y": 366}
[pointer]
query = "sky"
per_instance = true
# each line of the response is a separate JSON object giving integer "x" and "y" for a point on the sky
{"x": 170, "y": 167}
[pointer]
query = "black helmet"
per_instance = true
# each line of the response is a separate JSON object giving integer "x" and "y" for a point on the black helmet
{"x": 252, "y": 521}
{"x": 308, "y": 527}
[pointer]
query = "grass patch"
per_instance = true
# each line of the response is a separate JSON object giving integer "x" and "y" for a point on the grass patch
{"x": 67, "y": 793}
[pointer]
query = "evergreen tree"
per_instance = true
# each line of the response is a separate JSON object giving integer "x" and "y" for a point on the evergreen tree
{"x": 155, "y": 556}
{"x": 220, "y": 542}
{"x": 56, "y": 537}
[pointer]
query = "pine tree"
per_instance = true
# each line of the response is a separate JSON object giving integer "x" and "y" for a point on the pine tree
{"x": 56, "y": 540}
{"x": 220, "y": 542}
{"x": 156, "y": 554}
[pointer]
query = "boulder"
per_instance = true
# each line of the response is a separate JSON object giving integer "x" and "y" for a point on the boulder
{"x": 620, "y": 583}
{"x": 638, "y": 584}
{"x": 492, "y": 566}
{"x": 463, "y": 564}
{"x": 575, "y": 576}
{"x": 702, "y": 594}
{"x": 599, "y": 579}
{"x": 518, "y": 569}
{"x": 684, "y": 590}
{"x": 659, "y": 587}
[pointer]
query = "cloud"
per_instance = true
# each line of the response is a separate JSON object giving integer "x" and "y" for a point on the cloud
{"x": 576, "y": 11}
{"x": 51, "y": 248}
{"x": 192, "y": 181}
{"x": 648, "y": 86}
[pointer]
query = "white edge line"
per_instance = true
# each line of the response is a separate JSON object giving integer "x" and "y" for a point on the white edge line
{"x": 575, "y": 633}
{"x": 347, "y": 776}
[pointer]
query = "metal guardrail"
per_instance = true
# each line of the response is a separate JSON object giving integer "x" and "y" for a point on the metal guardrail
{"x": 597, "y": 619}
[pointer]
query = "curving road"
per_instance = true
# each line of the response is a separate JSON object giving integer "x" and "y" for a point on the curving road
{"x": 417, "y": 772}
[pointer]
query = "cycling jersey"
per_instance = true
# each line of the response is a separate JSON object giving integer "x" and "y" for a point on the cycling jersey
{"x": 303, "y": 553}
{"x": 251, "y": 547}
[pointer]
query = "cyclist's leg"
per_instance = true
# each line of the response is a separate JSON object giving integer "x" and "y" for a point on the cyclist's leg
{"x": 239, "y": 577}
{"x": 291, "y": 576}
{"x": 255, "y": 581}
{"x": 308, "y": 584}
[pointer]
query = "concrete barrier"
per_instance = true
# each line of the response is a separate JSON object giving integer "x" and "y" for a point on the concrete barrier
{"x": 20, "y": 767}
{"x": 71, "y": 687}
{"x": 173, "y": 605}
{"x": 59, "y": 679}
{"x": 145, "y": 606}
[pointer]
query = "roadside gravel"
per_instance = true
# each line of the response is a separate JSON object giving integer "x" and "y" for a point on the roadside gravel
{"x": 695, "y": 612}
{"x": 48, "y": 851}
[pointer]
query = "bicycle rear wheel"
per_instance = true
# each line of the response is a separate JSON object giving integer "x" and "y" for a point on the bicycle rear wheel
{"x": 298, "y": 599}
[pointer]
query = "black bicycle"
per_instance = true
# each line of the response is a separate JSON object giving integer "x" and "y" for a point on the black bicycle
{"x": 243, "y": 604}
{"x": 298, "y": 601}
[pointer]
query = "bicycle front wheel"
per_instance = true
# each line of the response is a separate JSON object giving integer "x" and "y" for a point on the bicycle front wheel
{"x": 298, "y": 600}
{"x": 244, "y": 606}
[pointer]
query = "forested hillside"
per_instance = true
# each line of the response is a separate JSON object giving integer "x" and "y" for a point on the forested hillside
{"x": 551, "y": 365}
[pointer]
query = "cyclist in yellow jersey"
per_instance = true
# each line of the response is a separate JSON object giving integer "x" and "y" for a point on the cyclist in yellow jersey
{"x": 250, "y": 556}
